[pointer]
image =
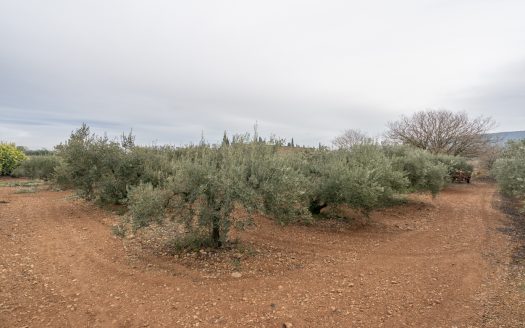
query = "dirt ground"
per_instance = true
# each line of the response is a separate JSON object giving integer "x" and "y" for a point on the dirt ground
{"x": 447, "y": 262}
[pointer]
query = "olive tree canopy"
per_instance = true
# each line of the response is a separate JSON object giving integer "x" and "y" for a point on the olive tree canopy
{"x": 443, "y": 131}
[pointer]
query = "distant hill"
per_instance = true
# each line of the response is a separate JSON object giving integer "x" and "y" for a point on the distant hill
{"x": 503, "y": 137}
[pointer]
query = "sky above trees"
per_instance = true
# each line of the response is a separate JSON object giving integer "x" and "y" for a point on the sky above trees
{"x": 303, "y": 69}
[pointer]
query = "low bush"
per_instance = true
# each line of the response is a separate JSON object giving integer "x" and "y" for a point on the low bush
{"x": 146, "y": 204}
{"x": 455, "y": 164}
{"x": 103, "y": 170}
{"x": 89, "y": 159}
{"x": 188, "y": 242}
{"x": 119, "y": 230}
{"x": 509, "y": 170}
{"x": 38, "y": 167}
{"x": 281, "y": 185}
{"x": 423, "y": 170}
{"x": 362, "y": 178}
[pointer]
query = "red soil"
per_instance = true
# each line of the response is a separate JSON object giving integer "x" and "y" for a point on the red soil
{"x": 431, "y": 263}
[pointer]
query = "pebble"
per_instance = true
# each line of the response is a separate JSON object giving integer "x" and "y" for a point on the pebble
{"x": 236, "y": 274}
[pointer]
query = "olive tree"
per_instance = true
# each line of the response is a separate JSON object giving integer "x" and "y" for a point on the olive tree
{"x": 424, "y": 171}
{"x": 509, "y": 170}
{"x": 208, "y": 183}
{"x": 362, "y": 178}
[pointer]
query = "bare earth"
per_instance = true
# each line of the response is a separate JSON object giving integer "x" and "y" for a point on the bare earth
{"x": 446, "y": 262}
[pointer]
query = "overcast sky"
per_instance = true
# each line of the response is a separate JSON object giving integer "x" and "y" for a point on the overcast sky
{"x": 301, "y": 69}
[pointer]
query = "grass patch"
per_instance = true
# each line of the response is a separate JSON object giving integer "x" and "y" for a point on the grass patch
{"x": 31, "y": 183}
{"x": 73, "y": 197}
{"x": 236, "y": 263}
{"x": 191, "y": 243}
{"x": 119, "y": 230}
{"x": 25, "y": 191}
{"x": 244, "y": 249}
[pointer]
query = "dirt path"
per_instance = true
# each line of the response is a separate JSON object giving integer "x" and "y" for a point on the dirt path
{"x": 432, "y": 263}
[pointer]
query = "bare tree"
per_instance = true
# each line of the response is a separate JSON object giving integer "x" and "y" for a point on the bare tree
{"x": 490, "y": 154}
{"x": 350, "y": 138}
{"x": 443, "y": 131}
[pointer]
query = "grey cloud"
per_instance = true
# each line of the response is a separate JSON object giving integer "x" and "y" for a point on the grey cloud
{"x": 501, "y": 95}
{"x": 302, "y": 69}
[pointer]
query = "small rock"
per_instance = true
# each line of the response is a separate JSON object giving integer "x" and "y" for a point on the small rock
{"x": 287, "y": 325}
{"x": 236, "y": 274}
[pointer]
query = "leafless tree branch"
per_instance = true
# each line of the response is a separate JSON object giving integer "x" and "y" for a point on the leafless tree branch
{"x": 351, "y": 138}
{"x": 443, "y": 131}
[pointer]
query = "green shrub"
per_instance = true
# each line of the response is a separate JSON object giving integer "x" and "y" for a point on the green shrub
{"x": 207, "y": 184}
{"x": 423, "y": 170}
{"x": 38, "y": 167}
{"x": 509, "y": 170}
{"x": 103, "y": 170}
{"x": 119, "y": 230}
{"x": 37, "y": 152}
{"x": 62, "y": 178}
{"x": 362, "y": 178}
{"x": 283, "y": 189}
{"x": 88, "y": 159}
{"x": 188, "y": 242}
{"x": 455, "y": 164}
{"x": 146, "y": 205}
{"x": 10, "y": 158}
{"x": 285, "y": 195}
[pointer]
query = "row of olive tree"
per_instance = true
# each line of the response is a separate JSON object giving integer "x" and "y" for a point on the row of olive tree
{"x": 200, "y": 186}
{"x": 37, "y": 167}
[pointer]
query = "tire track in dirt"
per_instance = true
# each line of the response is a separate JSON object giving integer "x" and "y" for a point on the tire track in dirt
{"x": 431, "y": 263}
